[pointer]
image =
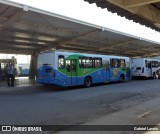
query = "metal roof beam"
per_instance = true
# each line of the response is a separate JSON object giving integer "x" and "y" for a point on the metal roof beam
{"x": 147, "y": 11}
{"x": 31, "y": 46}
{"x": 154, "y": 54}
{"x": 8, "y": 46}
{"x": 46, "y": 28}
{"x": 82, "y": 35}
{"x": 143, "y": 51}
{"x": 73, "y": 48}
{"x": 135, "y": 3}
{"x": 27, "y": 40}
{"x": 115, "y": 45}
{"x": 28, "y": 34}
{"x": 11, "y": 20}
{"x": 67, "y": 41}
{"x": 82, "y": 44}
{"x": 142, "y": 48}
{"x": 16, "y": 51}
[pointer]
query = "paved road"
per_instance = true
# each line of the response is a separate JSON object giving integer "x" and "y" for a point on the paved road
{"x": 48, "y": 105}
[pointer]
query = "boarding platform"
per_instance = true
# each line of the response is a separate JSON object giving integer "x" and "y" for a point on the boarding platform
{"x": 19, "y": 82}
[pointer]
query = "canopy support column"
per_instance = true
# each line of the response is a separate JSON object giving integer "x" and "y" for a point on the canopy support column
{"x": 33, "y": 66}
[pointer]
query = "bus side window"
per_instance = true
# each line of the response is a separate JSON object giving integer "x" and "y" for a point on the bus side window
{"x": 83, "y": 62}
{"x": 68, "y": 65}
{"x": 80, "y": 62}
{"x": 122, "y": 63}
{"x": 115, "y": 63}
{"x": 156, "y": 63}
{"x": 153, "y": 64}
{"x": 111, "y": 63}
{"x": 97, "y": 62}
{"x": 93, "y": 62}
{"x": 127, "y": 64}
{"x": 88, "y": 62}
{"x": 61, "y": 62}
{"x": 149, "y": 64}
{"x": 106, "y": 64}
{"x": 73, "y": 67}
{"x": 146, "y": 63}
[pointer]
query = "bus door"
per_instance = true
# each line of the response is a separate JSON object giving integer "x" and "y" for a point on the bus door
{"x": 106, "y": 68}
{"x": 149, "y": 68}
{"x": 154, "y": 68}
{"x": 114, "y": 64}
{"x": 71, "y": 66}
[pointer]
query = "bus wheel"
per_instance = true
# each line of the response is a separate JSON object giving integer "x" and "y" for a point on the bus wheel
{"x": 87, "y": 82}
{"x": 154, "y": 76}
{"x": 121, "y": 79}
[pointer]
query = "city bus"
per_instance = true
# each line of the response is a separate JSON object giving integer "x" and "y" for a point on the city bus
{"x": 71, "y": 69}
{"x": 145, "y": 67}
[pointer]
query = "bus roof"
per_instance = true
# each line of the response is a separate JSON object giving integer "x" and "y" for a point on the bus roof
{"x": 147, "y": 59}
{"x": 85, "y": 54}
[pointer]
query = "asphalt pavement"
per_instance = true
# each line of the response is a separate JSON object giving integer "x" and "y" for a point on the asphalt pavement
{"x": 51, "y": 105}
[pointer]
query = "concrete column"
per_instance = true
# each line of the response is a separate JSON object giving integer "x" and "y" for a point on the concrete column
{"x": 33, "y": 66}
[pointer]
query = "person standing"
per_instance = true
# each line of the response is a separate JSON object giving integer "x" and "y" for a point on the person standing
{"x": 11, "y": 71}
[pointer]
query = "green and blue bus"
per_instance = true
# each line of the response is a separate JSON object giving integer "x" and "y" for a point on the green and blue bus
{"x": 72, "y": 69}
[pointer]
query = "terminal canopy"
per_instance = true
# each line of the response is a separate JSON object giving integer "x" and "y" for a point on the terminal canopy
{"x": 26, "y": 30}
{"x": 145, "y": 12}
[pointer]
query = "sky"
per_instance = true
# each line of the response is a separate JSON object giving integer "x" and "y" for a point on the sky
{"x": 81, "y": 10}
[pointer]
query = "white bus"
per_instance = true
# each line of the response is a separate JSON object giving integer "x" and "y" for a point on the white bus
{"x": 71, "y": 69}
{"x": 144, "y": 67}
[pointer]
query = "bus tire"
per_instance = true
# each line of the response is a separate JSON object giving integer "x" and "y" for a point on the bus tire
{"x": 87, "y": 81}
{"x": 121, "y": 78}
{"x": 154, "y": 75}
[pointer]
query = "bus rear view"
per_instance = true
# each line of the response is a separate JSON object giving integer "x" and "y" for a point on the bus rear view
{"x": 144, "y": 67}
{"x": 45, "y": 67}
